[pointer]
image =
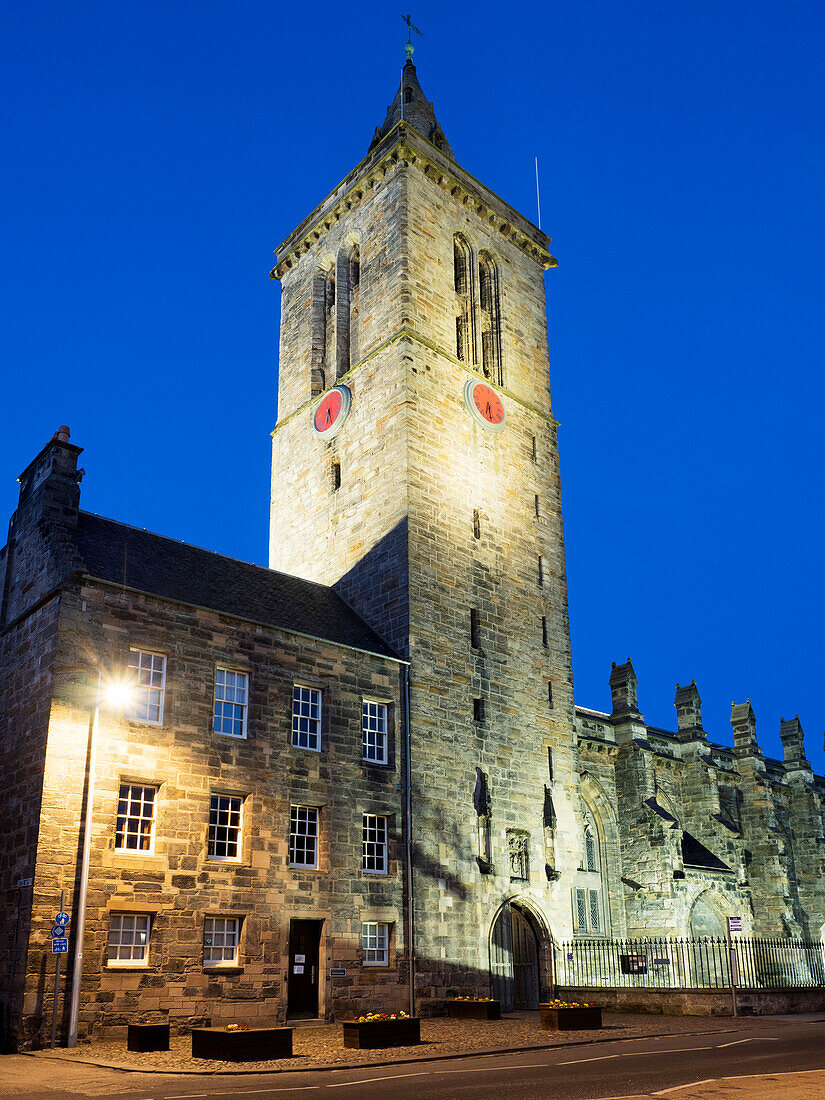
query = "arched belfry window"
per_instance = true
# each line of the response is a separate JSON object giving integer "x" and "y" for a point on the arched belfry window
{"x": 322, "y": 329}
{"x": 346, "y": 307}
{"x": 354, "y": 303}
{"x": 490, "y": 318}
{"x": 329, "y": 326}
{"x": 463, "y": 282}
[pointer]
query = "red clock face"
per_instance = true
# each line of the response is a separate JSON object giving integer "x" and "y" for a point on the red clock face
{"x": 328, "y": 411}
{"x": 488, "y": 403}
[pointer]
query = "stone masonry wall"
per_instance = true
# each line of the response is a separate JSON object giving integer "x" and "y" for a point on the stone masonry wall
{"x": 26, "y": 655}
{"x": 423, "y": 467}
{"x": 177, "y": 883}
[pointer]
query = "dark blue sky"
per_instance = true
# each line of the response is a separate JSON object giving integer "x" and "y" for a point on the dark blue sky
{"x": 156, "y": 154}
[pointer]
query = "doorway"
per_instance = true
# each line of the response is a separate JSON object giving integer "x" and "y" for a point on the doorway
{"x": 302, "y": 979}
{"x": 514, "y": 959}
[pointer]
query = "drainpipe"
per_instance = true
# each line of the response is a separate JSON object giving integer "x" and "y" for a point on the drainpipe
{"x": 408, "y": 841}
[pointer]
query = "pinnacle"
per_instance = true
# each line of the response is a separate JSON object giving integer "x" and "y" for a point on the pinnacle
{"x": 411, "y": 105}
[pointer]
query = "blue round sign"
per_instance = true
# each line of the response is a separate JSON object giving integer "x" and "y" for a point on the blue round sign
{"x": 62, "y": 919}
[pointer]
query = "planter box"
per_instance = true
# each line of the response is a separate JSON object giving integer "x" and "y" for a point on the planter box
{"x": 382, "y": 1033}
{"x": 474, "y": 1010}
{"x": 258, "y": 1044}
{"x": 146, "y": 1037}
{"x": 569, "y": 1019}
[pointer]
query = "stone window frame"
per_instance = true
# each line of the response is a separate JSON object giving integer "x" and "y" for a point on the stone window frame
{"x": 295, "y": 819}
{"x": 587, "y": 902}
{"x": 314, "y": 728}
{"x": 489, "y": 302}
{"x": 464, "y": 288}
{"x": 374, "y": 849}
{"x": 225, "y": 921}
{"x": 235, "y": 830}
{"x": 127, "y": 937}
{"x": 376, "y": 937}
{"x": 370, "y": 725}
{"x": 142, "y": 819}
{"x": 148, "y": 695}
{"x": 234, "y": 704}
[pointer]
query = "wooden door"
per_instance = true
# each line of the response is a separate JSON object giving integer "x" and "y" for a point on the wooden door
{"x": 501, "y": 959}
{"x": 525, "y": 961}
{"x": 302, "y": 980}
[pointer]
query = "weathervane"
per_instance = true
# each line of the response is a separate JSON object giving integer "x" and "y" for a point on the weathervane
{"x": 409, "y": 48}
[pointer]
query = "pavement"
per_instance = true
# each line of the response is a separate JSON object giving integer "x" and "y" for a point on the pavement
{"x": 321, "y": 1048}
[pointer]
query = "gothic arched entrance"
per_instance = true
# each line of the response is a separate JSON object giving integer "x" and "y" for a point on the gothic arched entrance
{"x": 516, "y": 941}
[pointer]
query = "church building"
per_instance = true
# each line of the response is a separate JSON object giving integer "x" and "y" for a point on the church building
{"x": 358, "y": 780}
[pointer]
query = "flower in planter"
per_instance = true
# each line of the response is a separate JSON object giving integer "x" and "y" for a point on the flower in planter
{"x": 376, "y": 1017}
{"x": 569, "y": 1004}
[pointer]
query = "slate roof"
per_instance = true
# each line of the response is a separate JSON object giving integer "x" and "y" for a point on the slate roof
{"x": 151, "y": 563}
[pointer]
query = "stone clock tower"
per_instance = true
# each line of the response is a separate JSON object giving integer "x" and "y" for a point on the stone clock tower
{"x": 415, "y": 468}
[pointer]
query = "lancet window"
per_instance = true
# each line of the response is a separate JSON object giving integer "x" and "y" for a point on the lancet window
{"x": 463, "y": 281}
{"x": 587, "y": 893}
{"x": 478, "y": 310}
{"x": 490, "y": 318}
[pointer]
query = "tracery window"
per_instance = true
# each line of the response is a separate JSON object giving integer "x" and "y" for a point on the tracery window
{"x": 490, "y": 319}
{"x": 587, "y": 893}
{"x": 463, "y": 282}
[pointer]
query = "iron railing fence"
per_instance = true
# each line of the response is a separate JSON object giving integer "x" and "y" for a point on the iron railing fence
{"x": 701, "y": 963}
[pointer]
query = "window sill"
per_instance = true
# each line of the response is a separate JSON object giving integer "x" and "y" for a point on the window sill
{"x": 129, "y": 967}
{"x": 231, "y": 968}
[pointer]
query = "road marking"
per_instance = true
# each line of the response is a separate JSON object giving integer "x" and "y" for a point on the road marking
{"x": 578, "y": 1061}
{"x": 675, "y": 1050}
{"x": 632, "y": 1054}
{"x": 486, "y": 1069}
{"x": 752, "y": 1039}
{"x": 689, "y": 1085}
{"x": 266, "y": 1092}
{"x": 740, "y": 1077}
{"x": 369, "y": 1080}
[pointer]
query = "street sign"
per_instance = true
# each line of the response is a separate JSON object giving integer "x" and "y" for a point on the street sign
{"x": 57, "y": 931}
{"x": 25, "y": 882}
{"x": 337, "y": 972}
{"x": 62, "y": 919}
{"x": 734, "y": 924}
{"x": 60, "y": 947}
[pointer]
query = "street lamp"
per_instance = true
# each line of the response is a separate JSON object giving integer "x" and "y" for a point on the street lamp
{"x": 116, "y": 694}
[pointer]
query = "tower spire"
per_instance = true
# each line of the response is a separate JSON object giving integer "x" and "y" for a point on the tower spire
{"x": 411, "y": 105}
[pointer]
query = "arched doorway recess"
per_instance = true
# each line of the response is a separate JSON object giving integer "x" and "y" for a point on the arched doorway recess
{"x": 518, "y": 953}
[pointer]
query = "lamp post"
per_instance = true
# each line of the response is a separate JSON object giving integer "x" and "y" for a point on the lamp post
{"x": 114, "y": 693}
